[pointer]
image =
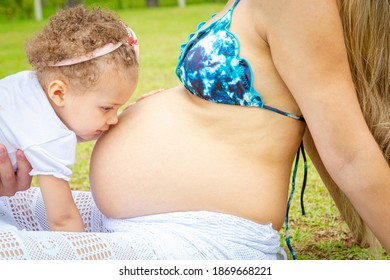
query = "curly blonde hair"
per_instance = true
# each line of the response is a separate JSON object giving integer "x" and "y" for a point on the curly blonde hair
{"x": 366, "y": 27}
{"x": 75, "y": 32}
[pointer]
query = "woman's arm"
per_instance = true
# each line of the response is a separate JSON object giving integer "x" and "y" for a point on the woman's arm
{"x": 307, "y": 45}
{"x": 11, "y": 182}
{"x": 359, "y": 230}
{"x": 62, "y": 213}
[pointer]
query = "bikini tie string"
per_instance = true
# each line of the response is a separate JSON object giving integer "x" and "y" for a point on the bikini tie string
{"x": 301, "y": 150}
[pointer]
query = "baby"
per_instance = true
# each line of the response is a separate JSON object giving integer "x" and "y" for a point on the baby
{"x": 85, "y": 65}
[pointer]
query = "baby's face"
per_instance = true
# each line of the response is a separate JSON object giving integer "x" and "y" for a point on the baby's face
{"x": 91, "y": 113}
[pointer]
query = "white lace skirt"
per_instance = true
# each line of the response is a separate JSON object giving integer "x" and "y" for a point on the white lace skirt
{"x": 182, "y": 235}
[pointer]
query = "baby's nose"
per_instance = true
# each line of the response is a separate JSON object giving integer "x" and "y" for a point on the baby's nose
{"x": 113, "y": 120}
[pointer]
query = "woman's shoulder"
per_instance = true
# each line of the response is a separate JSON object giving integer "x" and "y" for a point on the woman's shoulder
{"x": 278, "y": 12}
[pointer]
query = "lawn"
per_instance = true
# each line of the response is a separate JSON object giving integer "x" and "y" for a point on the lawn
{"x": 320, "y": 234}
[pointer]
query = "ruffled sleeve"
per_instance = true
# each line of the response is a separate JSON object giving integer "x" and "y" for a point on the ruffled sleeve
{"x": 53, "y": 158}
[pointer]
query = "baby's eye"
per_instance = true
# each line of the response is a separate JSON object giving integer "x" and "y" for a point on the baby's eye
{"x": 107, "y": 108}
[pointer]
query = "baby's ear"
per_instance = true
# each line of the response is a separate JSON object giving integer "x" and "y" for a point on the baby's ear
{"x": 56, "y": 91}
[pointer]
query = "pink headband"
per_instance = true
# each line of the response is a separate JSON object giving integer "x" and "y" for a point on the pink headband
{"x": 106, "y": 49}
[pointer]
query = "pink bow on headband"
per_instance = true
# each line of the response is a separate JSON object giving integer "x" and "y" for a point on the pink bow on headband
{"x": 133, "y": 40}
{"x": 106, "y": 49}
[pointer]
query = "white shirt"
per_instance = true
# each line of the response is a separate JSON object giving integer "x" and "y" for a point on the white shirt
{"x": 29, "y": 123}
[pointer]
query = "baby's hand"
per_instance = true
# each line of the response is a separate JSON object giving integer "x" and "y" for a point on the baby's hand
{"x": 146, "y": 95}
{"x": 150, "y": 93}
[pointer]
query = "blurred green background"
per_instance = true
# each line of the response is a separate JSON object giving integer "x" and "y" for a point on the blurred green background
{"x": 24, "y": 9}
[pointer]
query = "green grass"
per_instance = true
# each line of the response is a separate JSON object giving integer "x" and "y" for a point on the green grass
{"x": 321, "y": 234}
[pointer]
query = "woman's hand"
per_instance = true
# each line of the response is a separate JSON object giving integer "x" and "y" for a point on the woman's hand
{"x": 10, "y": 181}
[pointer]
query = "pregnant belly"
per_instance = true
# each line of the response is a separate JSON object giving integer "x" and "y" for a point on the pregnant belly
{"x": 154, "y": 162}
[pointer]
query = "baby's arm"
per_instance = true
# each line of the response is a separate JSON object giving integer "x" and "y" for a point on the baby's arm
{"x": 61, "y": 210}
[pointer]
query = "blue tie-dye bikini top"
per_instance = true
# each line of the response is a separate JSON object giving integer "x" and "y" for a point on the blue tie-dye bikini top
{"x": 210, "y": 67}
